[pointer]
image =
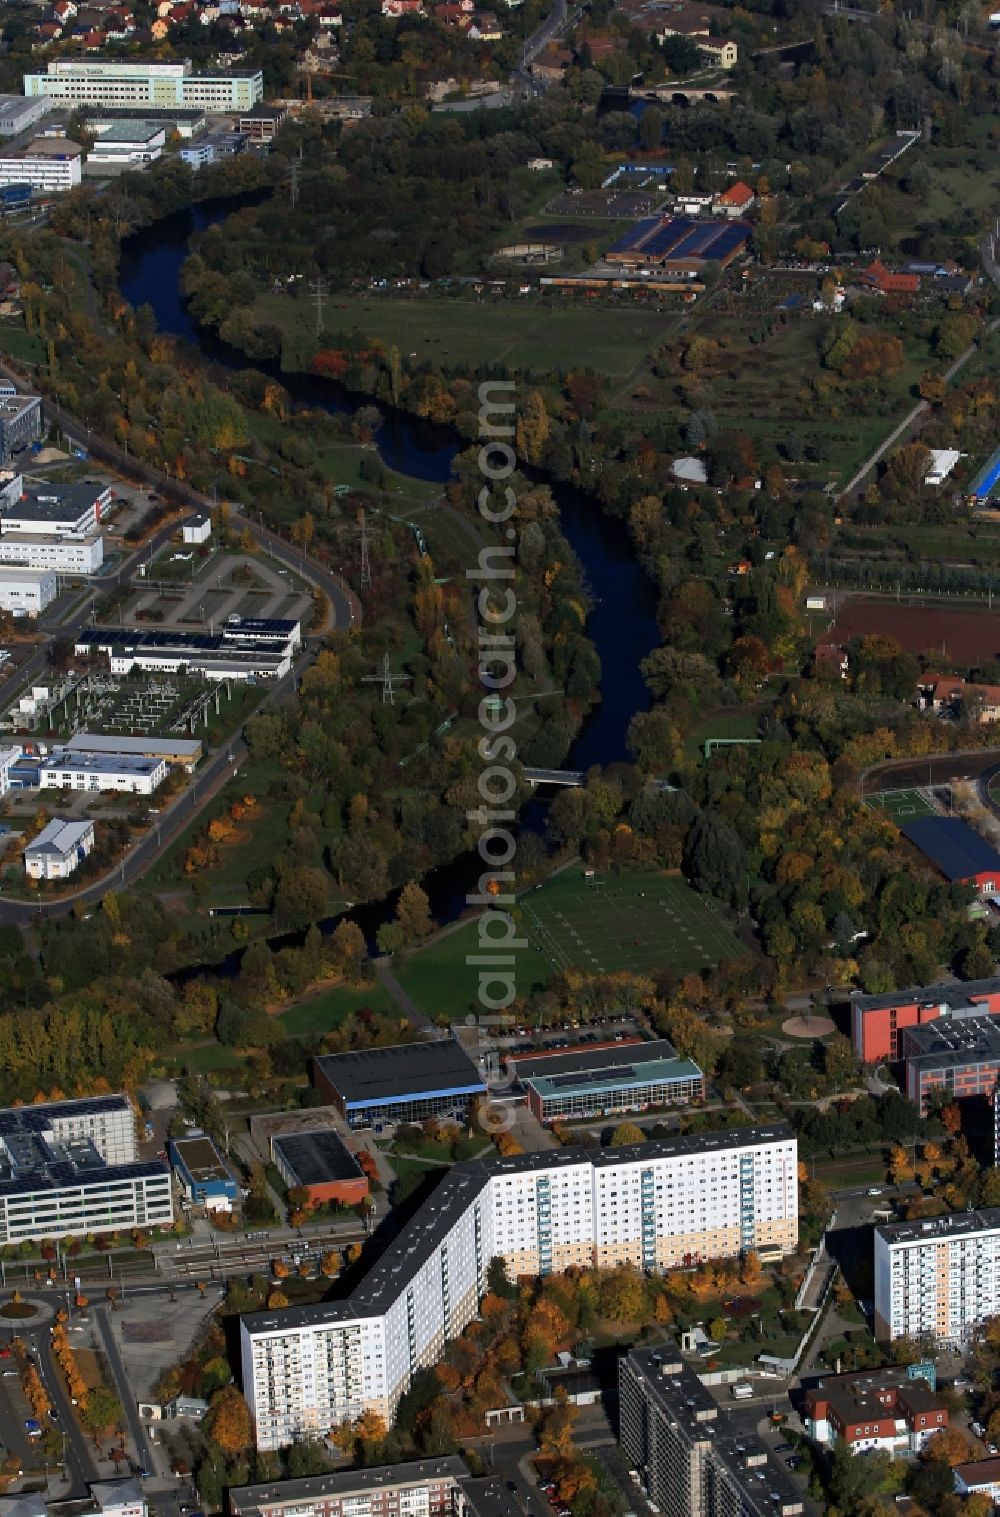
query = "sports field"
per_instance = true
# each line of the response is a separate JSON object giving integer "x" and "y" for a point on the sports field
{"x": 632, "y": 922}
{"x": 469, "y": 332}
{"x": 901, "y": 805}
{"x": 637, "y": 922}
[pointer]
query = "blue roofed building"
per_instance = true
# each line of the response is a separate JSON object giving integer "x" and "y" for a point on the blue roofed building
{"x": 203, "y": 1173}
{"x": 407, "y": 1082}
{"x": 955, "y": 850}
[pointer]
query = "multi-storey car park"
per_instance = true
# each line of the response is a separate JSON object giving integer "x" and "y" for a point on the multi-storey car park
{"x": 656, "y": 1206}
{"x": 938, "y": 1278}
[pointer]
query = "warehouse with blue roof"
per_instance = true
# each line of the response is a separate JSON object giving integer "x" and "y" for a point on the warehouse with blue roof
{"x": 955, "y": 850}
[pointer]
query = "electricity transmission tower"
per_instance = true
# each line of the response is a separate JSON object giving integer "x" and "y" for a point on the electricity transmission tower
{"x": 366, "y": 563}
{"x": 387, "y": 680}
{"x": 293, "y": 182}
{"x": 318, "y": 288}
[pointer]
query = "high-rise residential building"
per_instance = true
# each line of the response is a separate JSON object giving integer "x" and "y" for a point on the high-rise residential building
{"x": 121, "y": 82}
{"x": 655, "y": 1206}
{"x": 692, "y": 1457}
{"x": 938, "y": 1278}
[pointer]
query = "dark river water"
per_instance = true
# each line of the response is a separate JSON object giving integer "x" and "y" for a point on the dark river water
{"x": 621, "y": 624}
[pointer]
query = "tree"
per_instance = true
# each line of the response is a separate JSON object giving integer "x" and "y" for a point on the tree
{"x": 714, "y": 859}
{"x": 228, "y": 1421}
{"x": 627, "y": 1132}
{"x": 651, "y": 129}
{"x": 533, "y": 428}
{"x": 717, "y": 1329}
{"x": 950, "y": 1446}
{"x": 102, "y": 1412}
{"x": 413, "y": 914}
{"x": 852, "y": 1481}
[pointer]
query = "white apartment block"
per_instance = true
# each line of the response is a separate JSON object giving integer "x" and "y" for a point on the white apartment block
{"x": 117, "y": 82}
{"x": 655, "y": 1206}
{"x": 938, "y": 1278}
{"x": 60, "y": 554}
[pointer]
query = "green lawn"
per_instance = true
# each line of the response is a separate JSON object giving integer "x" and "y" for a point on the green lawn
{"x": 729, "y": 724}
{"x": 443, "y": 983}
{"x": 341, "y": 462}
{"x": 330, "y": 1007}
{"x": 22, "y": 346}
{"x": 637, "y": 922}
{"x": 467, "y": 333}
{"x": 205, "y": 1057}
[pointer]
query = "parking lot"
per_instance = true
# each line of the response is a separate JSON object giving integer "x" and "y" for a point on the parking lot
{"x": 219, "y": 586}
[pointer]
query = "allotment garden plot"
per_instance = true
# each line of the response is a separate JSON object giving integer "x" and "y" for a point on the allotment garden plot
{"x": 636, "y": 923}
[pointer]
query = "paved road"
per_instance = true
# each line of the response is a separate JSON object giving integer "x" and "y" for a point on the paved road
{"x": 181, "y": 812}
{"x": 80, "y": 1466}
{"x": 144, "y": 1453}
{"x": 935, "y": 769}
{"x": 913, "y": 416}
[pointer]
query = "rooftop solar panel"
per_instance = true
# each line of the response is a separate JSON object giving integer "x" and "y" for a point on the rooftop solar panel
{"x": 630, "y": 239}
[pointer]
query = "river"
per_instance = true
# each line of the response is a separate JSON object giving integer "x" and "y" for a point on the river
{"x": 622, "y": 622}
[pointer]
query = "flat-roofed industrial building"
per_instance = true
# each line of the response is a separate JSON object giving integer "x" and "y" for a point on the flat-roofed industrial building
{"x": 407, "y": 1082}
{"x": 321, "y": 1164}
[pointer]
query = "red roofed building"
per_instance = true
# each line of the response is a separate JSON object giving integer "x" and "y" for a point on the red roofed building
{"x": 888, "y": 283}
{"x": 889, "y": 1409}
{"x": 951, "y": 693}
{"x": 736, "y": 201}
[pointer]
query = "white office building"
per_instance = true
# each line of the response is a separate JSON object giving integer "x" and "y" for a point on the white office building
{"x": 8, "y": 758}
{"x": 64, "y": 555}
{"x": 71, "y": 511}
{"x": 27, "y": 591}
{"x": 18, "y": 114}
{"x": 58, "y": 849}
{"x": 127, "y": 772}
{"x": 117, "y": 82}
{"x": 127, "y": 144}
{"x": 51, "y": 165}
{"x": 69, "y": 1167}
{"x": 656, "y": 1206}
{"x": 938, "y": 1278}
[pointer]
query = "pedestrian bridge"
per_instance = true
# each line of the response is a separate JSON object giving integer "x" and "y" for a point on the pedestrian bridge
{"x": 568, "y": 778}
{"x": 572, "y": 779}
